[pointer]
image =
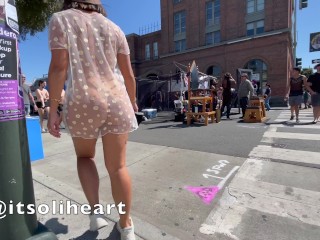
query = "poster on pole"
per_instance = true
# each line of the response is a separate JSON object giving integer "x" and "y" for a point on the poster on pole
{"x": 315, "y": 42}
{"x": 11, "y": 94}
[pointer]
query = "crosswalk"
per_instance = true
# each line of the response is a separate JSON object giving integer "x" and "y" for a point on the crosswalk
{"x": 279, "y": 179}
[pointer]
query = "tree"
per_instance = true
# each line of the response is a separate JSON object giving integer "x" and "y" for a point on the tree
{"x": 307, "y": 72}
{"x": 34, "y": 15}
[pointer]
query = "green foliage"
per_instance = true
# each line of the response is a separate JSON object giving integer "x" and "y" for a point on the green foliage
{"x": 33, "y": 16}
{"x": 307, "y": 72}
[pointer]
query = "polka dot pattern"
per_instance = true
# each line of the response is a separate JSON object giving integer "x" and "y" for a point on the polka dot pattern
{"x": 97, "y": 102}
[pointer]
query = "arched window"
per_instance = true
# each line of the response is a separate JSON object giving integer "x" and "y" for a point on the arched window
{"x": 260, "y": 73}
{"x": 214, "y": 71}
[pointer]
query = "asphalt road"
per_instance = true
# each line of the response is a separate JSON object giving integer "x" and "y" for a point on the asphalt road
{"x": 229, "y": 137}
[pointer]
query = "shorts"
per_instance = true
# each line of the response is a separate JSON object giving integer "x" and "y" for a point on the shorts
{"x": 315, "y": 100}
{"x": 39, "y": 104}
{"x": 295, "y": 100}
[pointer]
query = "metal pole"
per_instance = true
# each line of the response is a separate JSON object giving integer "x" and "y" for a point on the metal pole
{"x": 16, "y": 191}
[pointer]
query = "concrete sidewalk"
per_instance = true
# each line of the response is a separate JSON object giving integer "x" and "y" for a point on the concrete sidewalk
{"x": 59, "y": 153}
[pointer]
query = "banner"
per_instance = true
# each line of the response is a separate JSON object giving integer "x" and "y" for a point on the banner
{"x": 315, "y": 42}
{"x": 11, "y": 94}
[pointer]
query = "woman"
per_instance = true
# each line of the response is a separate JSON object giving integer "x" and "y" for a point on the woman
{"x": 227, "y": 84}
{"x": 267, "y": 96}
{"x": 87, "y": 50}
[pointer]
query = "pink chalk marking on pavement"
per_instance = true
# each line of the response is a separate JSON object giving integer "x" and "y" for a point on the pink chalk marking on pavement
{"x": 206, "y": 194}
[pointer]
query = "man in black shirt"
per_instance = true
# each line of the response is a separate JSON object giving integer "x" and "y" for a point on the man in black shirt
{"x": 313, "y": 86}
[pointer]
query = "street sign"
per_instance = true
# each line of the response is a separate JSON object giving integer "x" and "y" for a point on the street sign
{"x": 315, "y": 61}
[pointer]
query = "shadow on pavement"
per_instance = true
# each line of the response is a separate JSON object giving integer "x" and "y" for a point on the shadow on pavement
{"x": 56, "y": 227}
{"x": 88, "y": 235}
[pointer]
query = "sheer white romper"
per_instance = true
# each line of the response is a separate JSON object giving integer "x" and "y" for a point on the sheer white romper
{"x": 96, "y": 100}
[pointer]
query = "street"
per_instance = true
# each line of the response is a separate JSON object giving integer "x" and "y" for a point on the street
{"x": 227, "y": 180}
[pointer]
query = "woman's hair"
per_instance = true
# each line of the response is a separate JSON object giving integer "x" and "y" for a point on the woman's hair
{"x": 227, "y": 76}
{"x": 67, "y": 4}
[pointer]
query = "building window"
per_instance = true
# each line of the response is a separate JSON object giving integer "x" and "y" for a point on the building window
{"x": 214, "y": 71}
{"x": 255, "y": 28}
{"x": 213, "y": 12}
{"x": 179, "y": 22}
{"x": 180, "y": 45}
{"x": 176, "y": 1}
{"x": 255, "y": 6}
{"x": 260, "y": 73}
{"x": 213, "y": 38}
{"x": 155, "y": 50}
{"x": 147, "y": 52}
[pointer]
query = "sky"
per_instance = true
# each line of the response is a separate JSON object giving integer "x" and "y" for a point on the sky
{"x": 132, "y": 16}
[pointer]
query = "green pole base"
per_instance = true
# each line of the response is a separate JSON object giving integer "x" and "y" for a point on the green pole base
{"x": 43, "y": 233}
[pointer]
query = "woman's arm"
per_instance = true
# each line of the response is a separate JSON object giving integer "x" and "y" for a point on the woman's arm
{"x": 56, "y": 78}
{"x": 57, "y": 75}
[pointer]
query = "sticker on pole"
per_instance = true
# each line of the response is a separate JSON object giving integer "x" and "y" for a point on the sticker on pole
{"x": 11, "y": 15}
{"x": 206, "y": 194}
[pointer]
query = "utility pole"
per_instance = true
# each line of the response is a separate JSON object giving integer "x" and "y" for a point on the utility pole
{"x": 16, "y": 186}
{"x": 302, "y": 4}
{"x": 295, "y": 33}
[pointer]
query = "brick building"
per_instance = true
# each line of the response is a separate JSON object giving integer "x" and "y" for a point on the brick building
{"x": 221, "y": 36}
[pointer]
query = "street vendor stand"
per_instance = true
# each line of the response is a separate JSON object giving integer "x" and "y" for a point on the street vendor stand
{"x": 200, "y": 102}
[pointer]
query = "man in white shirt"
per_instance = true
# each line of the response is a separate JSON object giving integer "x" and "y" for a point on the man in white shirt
{"x": 27, "y": 96}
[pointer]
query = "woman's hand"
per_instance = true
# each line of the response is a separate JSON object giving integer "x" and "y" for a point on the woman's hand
{"x": 135, "y": 107}
{"x": 54, "y": 124}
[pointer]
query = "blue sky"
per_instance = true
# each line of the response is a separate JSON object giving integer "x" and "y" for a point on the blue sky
{"x": 132, "y": 16}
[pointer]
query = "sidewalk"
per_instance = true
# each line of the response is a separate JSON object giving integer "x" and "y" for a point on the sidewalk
{"x": 60, "y": 154}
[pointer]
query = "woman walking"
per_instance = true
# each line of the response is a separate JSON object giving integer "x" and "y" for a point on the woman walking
{"x": 267, "y": 95}
{"x": 90, "y": 55}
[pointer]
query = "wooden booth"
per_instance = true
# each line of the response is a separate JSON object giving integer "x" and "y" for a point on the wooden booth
{"x": 256, "y": 111}
{"x": 200, "y": 98}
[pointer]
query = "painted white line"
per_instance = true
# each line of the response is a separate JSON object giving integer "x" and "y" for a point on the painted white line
{"x": 291, "y": 125}
{"x": 286, "y": 135}
{"x": 305, "y": 158}
{"x": 300, "y": 117}
{"x": 268, "y": 139}
{"x": 293, "y": 121}
{"x": 276, "y": 190}
{"x": 221, "y": 184}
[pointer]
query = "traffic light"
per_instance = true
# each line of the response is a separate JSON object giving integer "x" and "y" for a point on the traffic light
{"x": 303, "y": 4}
{"x": 298, "y": 62}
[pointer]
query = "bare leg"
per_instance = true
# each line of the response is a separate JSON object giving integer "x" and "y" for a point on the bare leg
{"x": 296, "y": 109}
{"x": 292, "y": 108}
{"x": 114, "y": 147}
{"x": 41, "y": 113}
{"x": 87, "y": 170}
{"x": 317, "y": 113}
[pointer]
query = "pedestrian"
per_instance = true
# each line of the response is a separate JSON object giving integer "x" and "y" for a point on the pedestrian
{"x": 27, "y": 96}
{"x": 313, "y": 86}
{"x": 267, "y": 96}
{"x": 295, "y": 92}
{"x": 42, "y": 102}
{"x": 92, "y": 55}
{"x": 227, "y": 84}
{"x": 306, "y": 96}
{"x": 245, "y": 90}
